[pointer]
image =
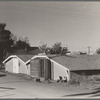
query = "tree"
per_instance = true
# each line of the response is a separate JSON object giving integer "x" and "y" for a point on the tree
{"x": 22, "y": 44}
{"x": 43, "y": 47}
{"x": 56, "y": 48}
{"x": 6, "y": 41}
{"x": 2, "y": 26}
{"x": 64, "y": 50}
{"x": 98, "y": 51}
{"x": 48, "y": 50}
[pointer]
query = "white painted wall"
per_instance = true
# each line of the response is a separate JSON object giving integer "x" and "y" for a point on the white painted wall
{"x": 28, "y": 69}
{"x": 22, "y": 67}
{"x": 8, "y": 66}
{"x": 15, "y": 65}
{"x": 60, "y": 70}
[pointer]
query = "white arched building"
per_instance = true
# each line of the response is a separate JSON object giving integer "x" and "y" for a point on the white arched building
{"x": 40, "y": 66}
{"x": 16, "y": 63}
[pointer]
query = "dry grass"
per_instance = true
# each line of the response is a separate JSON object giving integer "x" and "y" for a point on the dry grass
{"x": 77, "y": 79}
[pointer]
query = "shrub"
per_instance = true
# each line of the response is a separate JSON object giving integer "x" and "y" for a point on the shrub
{"x": 76, "y": 79}
{"x": 74, "y": 82}
{"x": 95, "y": 78}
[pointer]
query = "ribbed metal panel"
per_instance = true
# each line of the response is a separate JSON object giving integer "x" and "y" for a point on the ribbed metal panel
{"x": 34, "y": 68}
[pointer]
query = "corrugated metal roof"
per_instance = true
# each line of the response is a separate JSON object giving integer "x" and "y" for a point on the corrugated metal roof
{"x": 79, "y": 62}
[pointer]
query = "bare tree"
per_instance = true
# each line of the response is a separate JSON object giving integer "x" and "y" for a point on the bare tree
{"x": 98, "y": 51}
{"x": 43, "y": 47}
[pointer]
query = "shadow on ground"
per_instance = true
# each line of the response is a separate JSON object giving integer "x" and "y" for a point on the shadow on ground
{"x": 7, "y": 88}
{"x": 91, "y": 94}
{"x": 12, "y": 82}
{"x": 2, "y": 75}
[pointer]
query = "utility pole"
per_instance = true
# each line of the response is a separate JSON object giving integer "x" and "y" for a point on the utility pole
{"x": 89, "y": 49}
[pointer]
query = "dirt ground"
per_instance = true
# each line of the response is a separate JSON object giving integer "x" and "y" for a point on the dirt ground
{"x": 14, "y": 86}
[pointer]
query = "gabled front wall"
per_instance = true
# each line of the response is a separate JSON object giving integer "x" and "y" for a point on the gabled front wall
{"x": 59, "y": 70}
{"x": 15, "y": 65}
{"x": 9, "y": 66}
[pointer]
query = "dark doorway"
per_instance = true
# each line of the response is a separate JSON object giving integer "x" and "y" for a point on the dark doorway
{"x": 45, "y": 68}
{"x": 42, "y": 68}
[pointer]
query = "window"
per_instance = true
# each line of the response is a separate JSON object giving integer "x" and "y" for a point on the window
{"x": 19, "y": 63}
{"x": 67, "y": 71}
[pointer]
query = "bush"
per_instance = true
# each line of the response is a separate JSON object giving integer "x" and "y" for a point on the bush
{"x": 98, "y": 51}
{"x": 95, "y": 78}
{"x": 74, "y": 82}
{"x": 76, "y": 79}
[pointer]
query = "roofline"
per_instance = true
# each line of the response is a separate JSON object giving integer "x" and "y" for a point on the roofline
{"x": 45, "y": 57}
{"x": 84, "y": 69}
{"x": 36, "y": 56}
{"x": 13, "y": 56}
{"x": 59, "y": 64}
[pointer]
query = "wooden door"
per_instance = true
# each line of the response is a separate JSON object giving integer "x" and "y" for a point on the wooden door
{"x": 47, "y": 69}
{"x": 42, "y": 68}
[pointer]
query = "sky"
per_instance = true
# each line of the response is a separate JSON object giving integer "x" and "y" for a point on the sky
{"x": 75, "y": 24}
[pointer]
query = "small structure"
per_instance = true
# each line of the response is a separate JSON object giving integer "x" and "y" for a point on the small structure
{"x": 44, "y": 67}
{"x": 16, "y": 63}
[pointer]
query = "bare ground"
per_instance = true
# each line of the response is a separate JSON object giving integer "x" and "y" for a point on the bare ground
{"x": 14, "y": 86}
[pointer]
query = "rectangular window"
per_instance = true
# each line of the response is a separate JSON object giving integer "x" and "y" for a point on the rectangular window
{"x": 19, "y": 63}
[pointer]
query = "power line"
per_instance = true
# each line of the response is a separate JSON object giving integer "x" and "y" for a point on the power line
{"x": 89, "y": 51}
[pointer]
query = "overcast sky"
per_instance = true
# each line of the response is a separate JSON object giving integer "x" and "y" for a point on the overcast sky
{"x": 75, "y": 24}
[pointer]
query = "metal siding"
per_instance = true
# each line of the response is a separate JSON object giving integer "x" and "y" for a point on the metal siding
{"x": 34, "y": 68}
{"x": 41, "y": 68}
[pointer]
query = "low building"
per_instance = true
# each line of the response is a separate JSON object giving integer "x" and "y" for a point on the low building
{"x": 44, "y": 67}
{"x": 16, "y": 63}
